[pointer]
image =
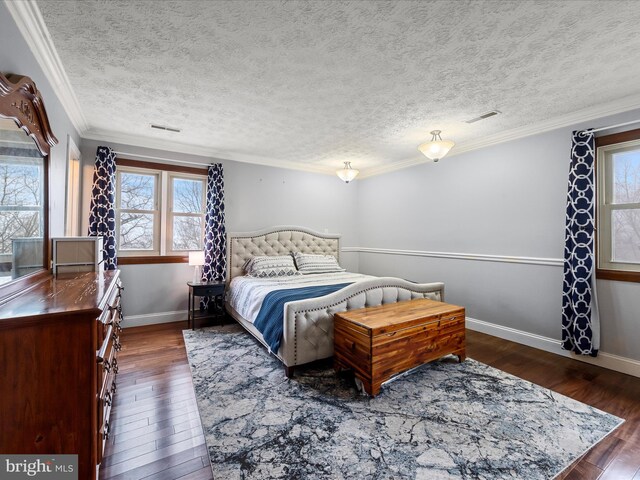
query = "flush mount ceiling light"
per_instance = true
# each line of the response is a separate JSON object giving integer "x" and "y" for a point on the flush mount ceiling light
{"x": 436, "y": 148}
{"x": 347, "y": 173}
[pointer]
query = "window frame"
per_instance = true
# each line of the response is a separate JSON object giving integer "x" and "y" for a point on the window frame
{"x": 606, "y": 145}
{"x": 156, "y": 212}
{"x": 165, "y": 171}
{"x": 171, "y": 214}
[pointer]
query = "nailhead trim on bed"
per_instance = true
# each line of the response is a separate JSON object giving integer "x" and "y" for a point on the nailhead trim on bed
{"x": 295, "y": 314}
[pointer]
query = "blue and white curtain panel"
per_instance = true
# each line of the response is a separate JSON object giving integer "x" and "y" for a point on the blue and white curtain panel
{"x": 215, "y": 236}
{"x": 102, "y": 219}
{"x": 580, "y": 321}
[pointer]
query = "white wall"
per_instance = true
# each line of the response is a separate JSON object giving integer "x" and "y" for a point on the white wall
{"x": 504, "y": 200}
{"x": 16, "y": 58}
{"x": 255, "y": 197}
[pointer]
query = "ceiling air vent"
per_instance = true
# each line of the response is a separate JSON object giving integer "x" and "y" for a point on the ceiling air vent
{"x": 492, "y": 113}
{"x": 168, "y": 129}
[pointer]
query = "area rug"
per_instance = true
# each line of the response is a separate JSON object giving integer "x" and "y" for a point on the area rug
{"x": 443, "y": 420}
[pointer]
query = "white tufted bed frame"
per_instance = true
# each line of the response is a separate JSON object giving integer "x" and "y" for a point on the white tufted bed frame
{"x": 308, "y": 324}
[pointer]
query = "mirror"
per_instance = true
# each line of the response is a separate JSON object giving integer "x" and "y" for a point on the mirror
{"x": 25, "y": 143}
{"x": 21, "y": 204}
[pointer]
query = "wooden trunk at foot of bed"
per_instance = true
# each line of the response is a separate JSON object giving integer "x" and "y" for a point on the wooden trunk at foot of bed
{"x": 380, "y": 342}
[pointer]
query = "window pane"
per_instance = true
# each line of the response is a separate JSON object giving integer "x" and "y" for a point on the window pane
{"x": 137, "y": 191}
{"x": 626, "y": 177}
{"x": 625, "y": 232}
{"x": 17, "y": 224}
{"x": 187, "y": 195}
{"x": 136, "y": 231}
{"x": 187, "y": 233}
{"x": 20, "y": 183}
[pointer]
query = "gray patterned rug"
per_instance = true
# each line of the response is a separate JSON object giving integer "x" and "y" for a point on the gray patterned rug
{"x": 443, "y": 420}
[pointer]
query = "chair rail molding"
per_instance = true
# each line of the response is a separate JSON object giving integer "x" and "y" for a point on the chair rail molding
{"x": 551, "y": 262}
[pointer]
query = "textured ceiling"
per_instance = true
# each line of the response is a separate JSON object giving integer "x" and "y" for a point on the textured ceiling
{"x": 321, "y": 82}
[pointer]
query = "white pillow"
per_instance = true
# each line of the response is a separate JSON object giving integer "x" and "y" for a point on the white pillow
{"x": 271, "y": 266}
{"x": 308, "y": 263}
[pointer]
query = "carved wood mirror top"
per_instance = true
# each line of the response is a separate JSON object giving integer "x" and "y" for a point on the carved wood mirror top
{"x": 25, "y": 143}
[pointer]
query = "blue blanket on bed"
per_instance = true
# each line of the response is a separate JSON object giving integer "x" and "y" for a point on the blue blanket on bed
{"x": 270, "y": 319}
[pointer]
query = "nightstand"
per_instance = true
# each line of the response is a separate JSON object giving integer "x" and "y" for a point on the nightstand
{"x": 209, "y": 289}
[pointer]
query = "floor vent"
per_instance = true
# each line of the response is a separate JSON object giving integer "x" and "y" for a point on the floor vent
{"x": 492, "y": 113}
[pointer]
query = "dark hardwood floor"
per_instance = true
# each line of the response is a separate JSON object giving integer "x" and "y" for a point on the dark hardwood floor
{"x": 157, "y": 432}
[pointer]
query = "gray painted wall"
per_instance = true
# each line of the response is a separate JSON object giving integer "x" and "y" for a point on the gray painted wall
{"x": 255, "y": 197}
{"x": 16, "y": 57}
{"x": 507, "y": 199}
{"x": 504, "y": 200}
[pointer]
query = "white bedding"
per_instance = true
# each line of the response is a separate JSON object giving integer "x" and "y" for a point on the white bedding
{"x": 245, "y": 294}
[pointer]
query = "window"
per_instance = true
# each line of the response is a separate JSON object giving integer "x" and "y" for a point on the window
{"x": 159, "y": 211}
{"x": 618, "y": 173}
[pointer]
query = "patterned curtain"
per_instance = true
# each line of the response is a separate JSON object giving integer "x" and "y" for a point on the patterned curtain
{"x": 580, "y": 320}
{"x": 215, "y": 236}
{"x": 102, "y": 219}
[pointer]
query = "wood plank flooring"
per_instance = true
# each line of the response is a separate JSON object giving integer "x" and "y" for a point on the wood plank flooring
{"x": 157, "y": 432}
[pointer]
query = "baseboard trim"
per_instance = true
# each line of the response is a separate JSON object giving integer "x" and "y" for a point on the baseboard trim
{"x": 552, "y": 262}
{"x": 153, "y": 318}
{"x": 605, "y": 360}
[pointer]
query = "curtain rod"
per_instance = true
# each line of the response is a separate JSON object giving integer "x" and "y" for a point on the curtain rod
{"x": 171, "y": 160}
{"x": 594, "y": 130}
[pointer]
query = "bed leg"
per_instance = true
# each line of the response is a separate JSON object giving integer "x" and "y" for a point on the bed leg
{"x": 288, "y": 371}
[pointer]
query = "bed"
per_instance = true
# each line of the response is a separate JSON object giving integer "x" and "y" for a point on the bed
{"x": 307, "y": 325}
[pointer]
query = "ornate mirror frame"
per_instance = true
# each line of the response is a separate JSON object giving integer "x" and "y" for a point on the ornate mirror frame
{"x": 21, "y": 101}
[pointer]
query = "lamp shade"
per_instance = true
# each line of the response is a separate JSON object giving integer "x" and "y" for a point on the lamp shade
{"x": 436, "y": 148}
{"x": 196, "y": 258}
{"x": 347, "y": 173}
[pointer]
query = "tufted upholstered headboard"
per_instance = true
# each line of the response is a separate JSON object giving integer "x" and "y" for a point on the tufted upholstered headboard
{"x": 277, "y": 241}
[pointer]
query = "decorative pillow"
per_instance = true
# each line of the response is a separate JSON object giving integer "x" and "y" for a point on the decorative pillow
{"x": 271, "y": 266}
{"x": 308, "y": 263}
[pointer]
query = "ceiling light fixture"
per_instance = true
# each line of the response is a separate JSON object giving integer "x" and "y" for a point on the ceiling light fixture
{"x": 347, "y": 173}
{"x": 436, "y": 148}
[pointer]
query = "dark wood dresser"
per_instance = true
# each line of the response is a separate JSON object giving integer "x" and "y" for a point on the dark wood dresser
{"x": 58, "y": 361}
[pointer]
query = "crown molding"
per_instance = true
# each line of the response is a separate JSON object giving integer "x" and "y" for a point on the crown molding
{"x": 28, "y": 18}
{"x": 210, "y": 153}
{"x": 615, "y": 107}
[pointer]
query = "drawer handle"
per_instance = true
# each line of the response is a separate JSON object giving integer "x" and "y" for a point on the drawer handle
{"x": 105, "y": 430}
{"x": 106, "y": 366}
{"x": 114, "y": 365}
{"x": 113, "y": 387}
{"x": 107, "y": 399}
{"x": 116, "y": 342}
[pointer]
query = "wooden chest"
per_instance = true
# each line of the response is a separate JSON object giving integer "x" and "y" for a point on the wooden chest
{"x": 380, "y": 342}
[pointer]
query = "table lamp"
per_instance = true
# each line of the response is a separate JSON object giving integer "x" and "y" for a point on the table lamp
{"x": 196, "y": 259}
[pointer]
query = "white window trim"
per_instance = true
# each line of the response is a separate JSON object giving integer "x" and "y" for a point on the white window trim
{"x": 163, "y": 221}
{"x": 605, "y": 206}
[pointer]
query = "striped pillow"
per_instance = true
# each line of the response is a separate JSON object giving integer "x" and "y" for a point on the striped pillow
{"x": 308, "y": 263}
{"x": 271, "y": 266}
